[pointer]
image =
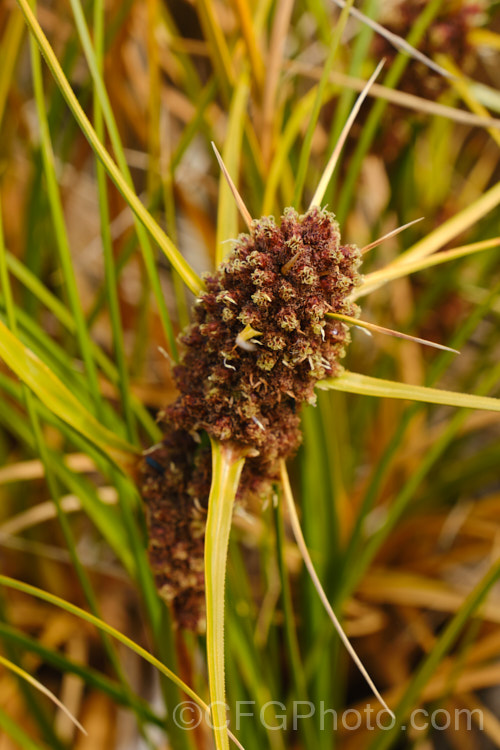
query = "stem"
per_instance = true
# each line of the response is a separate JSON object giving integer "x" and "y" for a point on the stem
{"x": 227, "y": 463}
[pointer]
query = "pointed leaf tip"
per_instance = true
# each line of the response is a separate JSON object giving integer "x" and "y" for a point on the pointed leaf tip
{"x": 245, "y": 213}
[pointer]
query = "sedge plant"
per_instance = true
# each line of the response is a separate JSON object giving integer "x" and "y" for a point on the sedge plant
{"x": 269, "y": 329}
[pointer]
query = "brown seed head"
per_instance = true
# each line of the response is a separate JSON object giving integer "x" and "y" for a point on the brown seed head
{"x": 276, "y": 286}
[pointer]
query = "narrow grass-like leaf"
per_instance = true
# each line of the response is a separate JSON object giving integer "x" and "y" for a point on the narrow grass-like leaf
{"x": 231, "y": 201}
{"x": 50, "y": 476}
{"x": 387, "y": 236}
{"x": 187, "y": 70}
{"x": 54, "y": 356}
{"x": 42, "y": 689}
{"x": 108, "y": 116}
{"x": 54, "y": 394}
{"x": 227, "y": 464}
{"x": 217, "y": 44}
{"x": 9, "y": 50}
{"x": 451, "y": 228}
{"x": 35, "y": 709}
{"x": 107, "y": 243}
{"x": 360, "y": 50}
{"x": 398, "y": 270}
{"x": 442, "y": 646}
{"x": 190, "y": 278}
{"x": 485, "y": 95}
{"x": 14, "y": 731}
{"x": 40, "y": 291}
{"x": 388, "y": 331}
{"x": 227, "y": 209}
{"x": 62, "y": 314}
{"x": 468, "y": 94}
{"x": 274, "y": 62}
{"x": 397, "y": 41}
{"x": 353, "y": 382}
{"x": 109, "y": 630}
{"x": 105, "y": 517}
{"x": 299, "y": 538}
{"x": 484, "y": 37}
{"x": 370, "y": 126}
{"x": 257, "y": 673}
{"x": 60, "y": 229}
{"x": 361, "y": 553}
{"x": 311, "y": 126}
{"x": 297, "y": 668}
{"x": 287, "y": 138}
{"x": 90, "y": 676}
{"x": 400, "y": 98}
{"x": 332, "y": 161}
{"x": 101, "y": 625}
{"x": 243, "y": 9}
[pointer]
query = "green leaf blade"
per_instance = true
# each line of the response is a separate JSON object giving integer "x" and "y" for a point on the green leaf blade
{"x": 227, "y": 465}
{"x": 365, "y": 385}
{"x": 56, "y": 397}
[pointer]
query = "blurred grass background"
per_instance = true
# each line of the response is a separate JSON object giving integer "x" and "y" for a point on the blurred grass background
{"x": 400, "y": 504}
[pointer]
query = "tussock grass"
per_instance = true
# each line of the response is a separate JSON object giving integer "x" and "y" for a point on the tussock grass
{"x": 113, "y": 205}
